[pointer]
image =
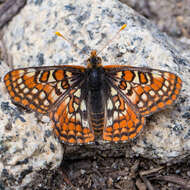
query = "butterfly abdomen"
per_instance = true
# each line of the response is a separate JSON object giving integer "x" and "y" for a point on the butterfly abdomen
{"x": 97, "y": 120}
{"x": 97, "y": 111}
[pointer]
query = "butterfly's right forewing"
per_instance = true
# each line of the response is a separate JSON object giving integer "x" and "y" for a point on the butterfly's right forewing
{"x": 39, "y": 88}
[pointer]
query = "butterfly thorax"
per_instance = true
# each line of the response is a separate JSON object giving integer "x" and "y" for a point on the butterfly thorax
{"x": 95, "y": 78}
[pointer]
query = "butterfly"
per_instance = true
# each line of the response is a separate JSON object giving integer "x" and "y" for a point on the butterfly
{"x": 94, "y": 102}
{"x": 87, "y": 103}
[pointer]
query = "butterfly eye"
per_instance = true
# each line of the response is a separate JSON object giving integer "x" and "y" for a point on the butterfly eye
{"x": 95, "y": 60}
{"x": 99, "y": 60}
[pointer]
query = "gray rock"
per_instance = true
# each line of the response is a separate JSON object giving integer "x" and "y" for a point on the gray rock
{"x": 26, "y": 144}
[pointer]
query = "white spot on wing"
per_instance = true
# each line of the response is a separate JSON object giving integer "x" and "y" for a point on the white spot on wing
{"x": 85, "y": 123}
{"x": 140, "y": 104}
{"x": 136, "y": 78}
{"x": 160, "y": 92}
{"x": 156, "y": 75}
{"x": 115, "y": 115}
{"x": 117, "y": 104}
{"x": 78, "y": 118}
{"x": 110, "y": 121}
{"x": 119, "y": 74}
{"x": 110, "y": 105}
{"x": 113, "y": 92}
{"x": 75, "y": 106}
{"x": 144, "y": 97}
{"x": 120, "y": 115}
{"x": 152, "y": 93}
{"x": 167, "y": 83}
{"x": 69, "y": 115}
{"x": 26, "y": 90}
{"x": 124, "y": 112}
{"x": 21, "y": 86}
{"x": 34, "y": 90}
{"x": 46, "y": 103}
{"x": 30, "y": 74}
{"x": 78, "y": 93}
{"x": 42, "y": 95}
{"x": 83, "y": 106}
{"x": 69, "y": 74}
{"x": 164, "y": 89}
{"x": 19, "y": 81}
{"x": 67, "y": 100}
{"x": 51, "y": 78}
{"x": 148, "y": 79}
{"x": 167, "y": 75}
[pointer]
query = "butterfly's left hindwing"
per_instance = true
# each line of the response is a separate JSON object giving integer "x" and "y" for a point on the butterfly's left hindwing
{"x": 123, "y": 122}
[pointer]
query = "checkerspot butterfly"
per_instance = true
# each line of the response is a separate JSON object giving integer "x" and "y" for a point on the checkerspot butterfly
{"x": 86, "y": 103}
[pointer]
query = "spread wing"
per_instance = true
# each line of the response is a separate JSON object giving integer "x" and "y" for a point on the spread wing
{"x": 39, "y": 88}
{"x": 135, "y": 93}
{"x": 54, "y": 90}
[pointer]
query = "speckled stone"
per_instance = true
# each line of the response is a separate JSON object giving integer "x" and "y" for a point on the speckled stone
{"x": 26, "y": 143}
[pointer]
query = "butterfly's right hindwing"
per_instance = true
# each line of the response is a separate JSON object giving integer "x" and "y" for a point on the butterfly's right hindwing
{"x": 70, "y": 118}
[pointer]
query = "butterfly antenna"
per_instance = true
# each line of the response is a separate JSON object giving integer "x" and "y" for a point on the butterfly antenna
{"x": 69, "y": 41}
{"x": 122, "y": 28}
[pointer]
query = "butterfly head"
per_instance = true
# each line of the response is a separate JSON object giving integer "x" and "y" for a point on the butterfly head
{"x": 94, "y": 61}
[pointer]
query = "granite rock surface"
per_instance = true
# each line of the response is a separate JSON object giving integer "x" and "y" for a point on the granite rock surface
{"x": 27, "y": 143}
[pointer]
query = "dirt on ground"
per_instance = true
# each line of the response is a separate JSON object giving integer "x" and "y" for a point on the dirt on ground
{"x": 114, "y": 173}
